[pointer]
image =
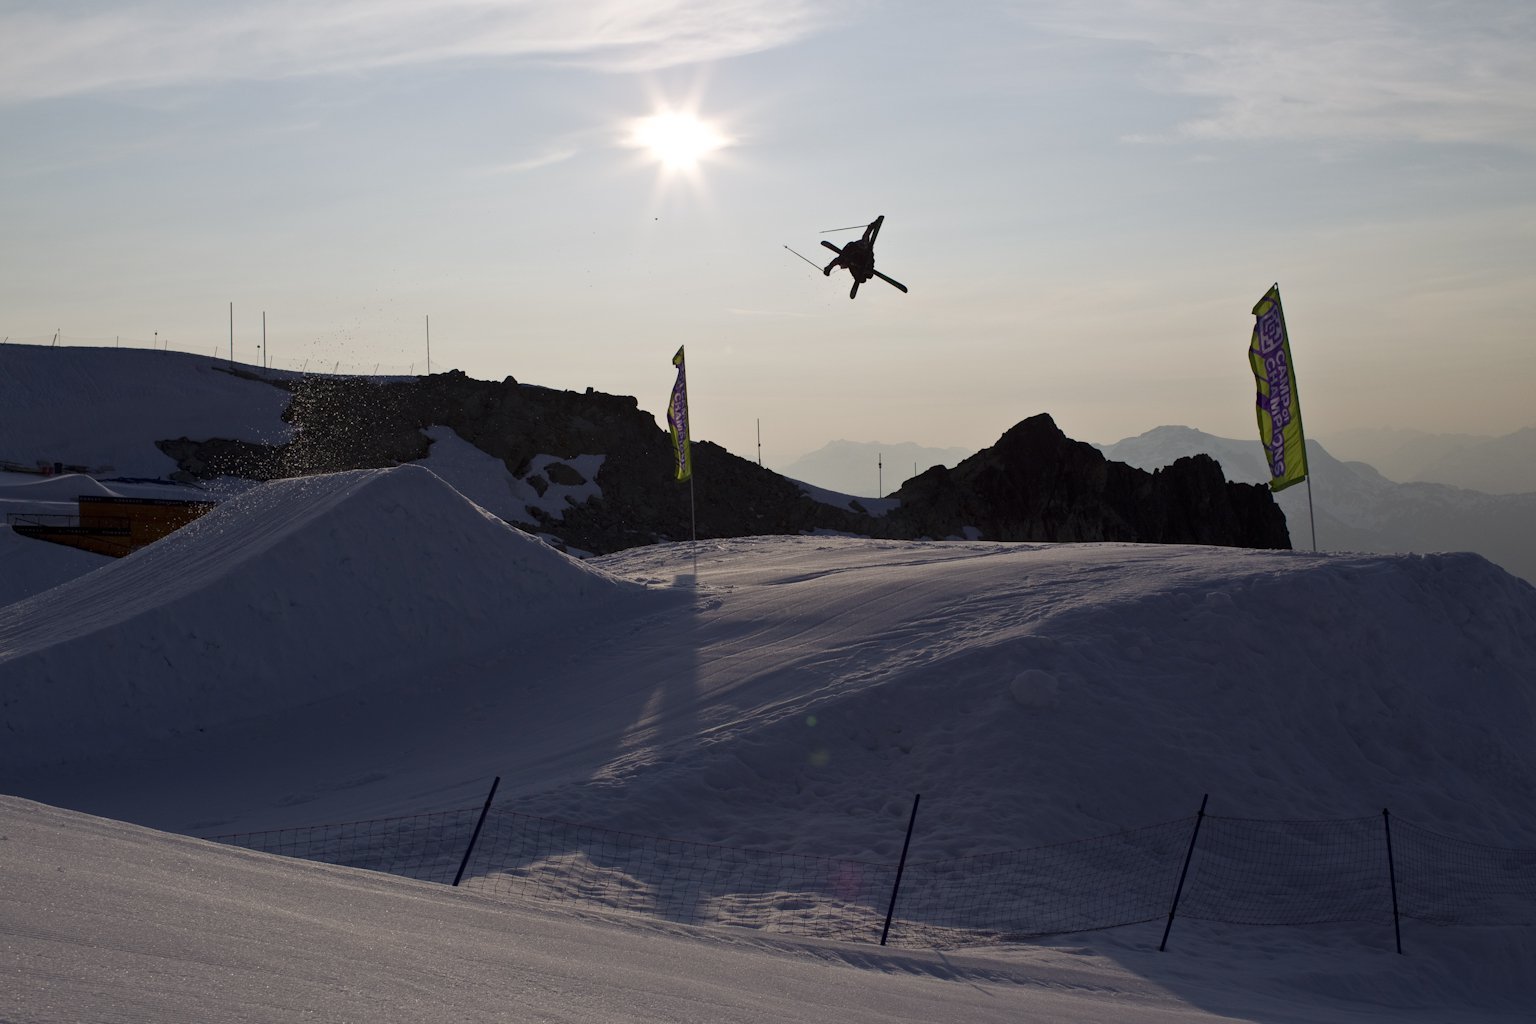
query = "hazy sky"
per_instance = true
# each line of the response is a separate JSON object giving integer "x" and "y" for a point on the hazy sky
{"x": 1085, "y": 199}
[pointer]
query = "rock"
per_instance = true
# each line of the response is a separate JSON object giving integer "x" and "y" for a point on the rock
{"x": 1036, "y": 484}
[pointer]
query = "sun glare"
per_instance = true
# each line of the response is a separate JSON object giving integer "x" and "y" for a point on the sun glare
{"x": 676, "y": 140}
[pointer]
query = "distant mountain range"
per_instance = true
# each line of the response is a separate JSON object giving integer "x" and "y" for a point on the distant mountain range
{"x": 1494, "y": 465}
{"x": 1356, "y": 508}
{"x": 1392, "y": 491}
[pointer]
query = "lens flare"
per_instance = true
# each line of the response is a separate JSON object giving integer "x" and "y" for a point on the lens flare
{"x": 677, "y": 140}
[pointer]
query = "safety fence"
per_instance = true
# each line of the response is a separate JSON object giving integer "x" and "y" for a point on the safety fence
{"x": 1372, "y": 870}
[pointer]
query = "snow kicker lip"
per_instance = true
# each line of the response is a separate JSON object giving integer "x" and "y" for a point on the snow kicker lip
{"x": 291, "y": 592}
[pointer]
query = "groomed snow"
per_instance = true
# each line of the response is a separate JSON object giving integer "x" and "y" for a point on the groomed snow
{"x": 365, "y": 644}
{"x": 294, "y": 592}
{"x": 101, "y": 920}
{"x": 485, "y": 479}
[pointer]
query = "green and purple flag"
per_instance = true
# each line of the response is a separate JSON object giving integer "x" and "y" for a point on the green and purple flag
{"x": 1279, "y": 408}
{"x": 677, "y": 420}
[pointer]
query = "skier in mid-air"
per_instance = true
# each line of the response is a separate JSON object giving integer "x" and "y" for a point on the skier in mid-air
{"x": 859, "y": 258}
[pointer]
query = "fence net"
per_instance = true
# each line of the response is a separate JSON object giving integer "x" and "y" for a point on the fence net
{"x": 427, "y": 847}
{"x": 1241, "y": 871}
{"x": 679, "y": 880}
{"x": 1103, "y": 882}
{"x": 1441, "y": 880}
{"x": 1247, "y": 871}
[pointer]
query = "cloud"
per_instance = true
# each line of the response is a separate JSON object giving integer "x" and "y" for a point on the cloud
{"x": 532, "y": 163}
{"x": 106, "y": 45}
{"x": 1372, "y": 69}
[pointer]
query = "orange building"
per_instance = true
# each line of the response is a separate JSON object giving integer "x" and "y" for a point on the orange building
{"x": 109, "y": 525}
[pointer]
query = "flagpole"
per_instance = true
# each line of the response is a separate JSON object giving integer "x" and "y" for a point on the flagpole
{"x": 1310, "y": 518}
{"x": 677, "y": 424}
{"x": 1270, "y": 359}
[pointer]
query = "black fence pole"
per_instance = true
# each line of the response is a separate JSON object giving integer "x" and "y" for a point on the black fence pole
{"x": 1397, "y": 928}
{"x": 900, "y": 866}
{"x": 1163, "y": 946}
{"x": 476, "y": 833}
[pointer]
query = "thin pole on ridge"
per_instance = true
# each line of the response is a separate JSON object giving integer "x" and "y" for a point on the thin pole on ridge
{"x": 1310, "y": 517}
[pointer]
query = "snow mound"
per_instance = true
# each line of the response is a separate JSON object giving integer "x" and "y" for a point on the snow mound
{"x": 1044, "y": 693}
{"x": 32, "y": 566}
{"x": 120, "y": 401}
{"x": 293, "y": 592}
{"x": 53, "y": 488}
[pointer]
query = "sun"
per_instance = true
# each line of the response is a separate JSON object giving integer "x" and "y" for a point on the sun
{"x": 678, "y": 140}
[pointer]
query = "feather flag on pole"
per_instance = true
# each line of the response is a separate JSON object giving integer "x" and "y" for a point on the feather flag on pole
{"x": 677, "y": 421}
{"x": 1279, "y": 408}
{"x": 682, "y": 450}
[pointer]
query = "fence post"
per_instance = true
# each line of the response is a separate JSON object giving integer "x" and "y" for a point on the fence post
{"x": 900, "y": 865}
{"x": 1397, "y": 928}
{"x": 476, "y": 833}
{"x": 1163, "y": 946}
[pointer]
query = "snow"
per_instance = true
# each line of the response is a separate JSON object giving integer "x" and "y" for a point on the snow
{"x": 42, "y": 493}
{"x": 26, "y": 566}
{"x": 29, "y": 567}
{"x": 256, "y": 596}
{"x": 159, "y": 395}
{"x": 485, "y": 479}
{"x": 874, "y": 506}
{"x": 375, "y": 643}
{"x": 145, "y": 926}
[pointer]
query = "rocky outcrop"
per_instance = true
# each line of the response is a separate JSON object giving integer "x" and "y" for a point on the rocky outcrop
{"x": 1034, "y": 484}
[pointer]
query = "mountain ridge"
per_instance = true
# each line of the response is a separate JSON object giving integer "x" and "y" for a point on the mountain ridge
{"x": 1355, "y": 507}
{"x": 547, "y": 440}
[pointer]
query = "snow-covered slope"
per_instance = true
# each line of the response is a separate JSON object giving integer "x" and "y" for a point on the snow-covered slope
{"x": 372, "y": 643}
{"x": 144, "y": 926}
{"x": 29, "y": 566}
{"x": 291, "y": 593}
{"x": 104, "y": 408}
{"x": 795, "y": 698}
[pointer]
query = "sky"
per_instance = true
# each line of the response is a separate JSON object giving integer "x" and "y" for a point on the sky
{"x": 273, "y": 664}
{"x": 1084, "y": 203}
